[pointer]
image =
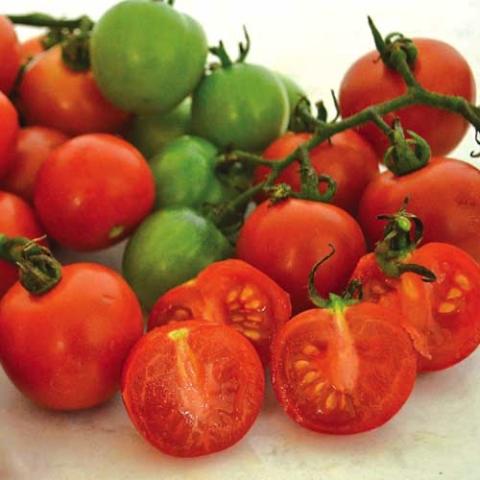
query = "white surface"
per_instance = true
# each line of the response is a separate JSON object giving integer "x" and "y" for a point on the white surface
{"x": 437, "y": 433}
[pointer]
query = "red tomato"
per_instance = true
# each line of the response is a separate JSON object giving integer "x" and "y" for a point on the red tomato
{"x": 65, "y": 349}
{"x": 9, "y": 55}
{"x": 445, "y": 194}
{"x": 193, "y": 388}
{"x": 93, "y": 191}
{"x": 438, "y": 68}
{"x": 231, "y": 292}
{"x": 17, "y": 219}
{"x": 285, "y": 241}
{"x": 34, "y": 145}
{"x": 53, "y": 95}
{"x": 442, "y": 317}
{"x": 31, "y": 48}
{"x": 342, "y": 370}
{"x": 347, "y": 158}
{"x": 8, "y": 133}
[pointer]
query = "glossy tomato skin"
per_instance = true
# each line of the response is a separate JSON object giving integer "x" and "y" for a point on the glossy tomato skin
{"x": 193, "y": 388}
{"x": 445, "y": 194}
{"x": 92, "y": 191}
{"x": 347, "y": 158}
{"x": 53, "y": 95}
{"x": 442, "y": 317}
{"x": 285, "y": 240}
{"x": 8, "y": 133}
{"x": 438, "y": 68}
{"x": 30, "y": 48}
{"x": 233, "y": 293}
{"x": 146, "y": 56}
{"x": 17, "y": 219}
{"x": 342, "y": 372}
{"x": 34, "y": 145}
{"x": 242, "y": 106}
{"x": 169, "y": 248}
{"x": 10, "y": 55}
{"x": 65, "y": 349}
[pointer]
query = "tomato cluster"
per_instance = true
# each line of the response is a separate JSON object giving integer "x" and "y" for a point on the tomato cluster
{"x": 331, "y": 289}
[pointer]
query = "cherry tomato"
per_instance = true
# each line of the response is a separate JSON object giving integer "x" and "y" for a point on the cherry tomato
{"x": 344, "y": 370}
{"x": 93, "y": 191}
{"x": 34, "y": 145}
{"x": 294, "y": 93}
{"x": 193, "y": 388}
{"x": 9, "y": 55}
{"x": 438, "y": 68}
{"x": 445, "y": 194}
{"x": 17, "y": 219}
{"x": 231, "y": 292}
{"x": 55, "y": 96}
{"x": 286, "y": 239}
{"x": 65, "y": 349}
{"x": 170, "y": 247}
{"x": 347, "y": 158}
{"x": 146, "y": 56}
{"x": 442, "y": 317}
{"x": 8, "y": 133}
{"x": 31, "y": 48}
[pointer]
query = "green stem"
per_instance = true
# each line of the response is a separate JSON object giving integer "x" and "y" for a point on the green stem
{"x": 43, "y": 20}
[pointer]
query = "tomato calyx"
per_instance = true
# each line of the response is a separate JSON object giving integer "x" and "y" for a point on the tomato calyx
{"x": 39, "y": 271}
{"x": 221, "y": 53}
{"x": 402, "y": 234}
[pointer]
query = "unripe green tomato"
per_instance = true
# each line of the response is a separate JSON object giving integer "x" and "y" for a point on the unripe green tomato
{"x": 184, "y": 173}
{"x": 147, "y": 57}
{"x": 294, "y": 91}
{"x": 242, "y": 106}
{"x": 170, "y": 247}
{"x": 150, "y": 133}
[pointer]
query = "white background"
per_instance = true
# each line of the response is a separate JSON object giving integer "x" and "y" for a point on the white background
{"x": 435, "y": 436}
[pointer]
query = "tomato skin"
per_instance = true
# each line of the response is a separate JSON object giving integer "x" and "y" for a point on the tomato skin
{"x": 52, "y": 95}
{"x": 285, "y": 240}
{"x": 10, "y": 55}
{"x": 31, "y": 48}
{"x": 65, "y": 349}
{"x": 347, "y": 158}
{"x": 229, "y": 292}
{"x": 147, "y": 83}
{"x": 8, "y": 133}
{"x": 193, "y": 388}
{"x": 242, "y": 106}
{"x": 34, "y": 145}
{"x": 17, "y": 219}
{"x": 455, "y": 220}
{"x": 442, "y": 317}
{"x": 151, "y": 133}
{"x": 438, "y": 68}
{"x": 345, "y": 372}
{"x": 170, "y": 247}
{"x": 81, "y": 206}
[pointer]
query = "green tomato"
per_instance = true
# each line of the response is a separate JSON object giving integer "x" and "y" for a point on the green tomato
{"x": 242, "y": 106}
{"x": 147, "y": 57}
{"x": 185, "y": 176}
{"x": 170, "y": 247}
{"x": 294, "y": 91}
{"x": 150, "y": 133}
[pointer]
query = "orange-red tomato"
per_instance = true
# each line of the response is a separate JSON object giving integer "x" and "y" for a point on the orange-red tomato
{"x": 344, "y": 370}
{"x": 8, "y": 133}
{"x": 9, "y": 55}
{"x": 347, "y": 158}
{"x": 34, "y": 145}
{"x": 31, "y": 48}
{"x": 93, "y": 191}
{"x": 193, "y": 388}
{"x": 231, "y": 292}
{"x": 445, "y": 194}
{"x": 65, "y": 349}
{"x": 17, "y": 219}
{"x": 439, "y": 68}
{"x": 53, "y": 95}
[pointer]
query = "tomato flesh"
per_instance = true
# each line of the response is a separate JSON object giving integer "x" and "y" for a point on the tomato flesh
{"x": 193, "y": 388}
{"x": 342, "y": 371}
